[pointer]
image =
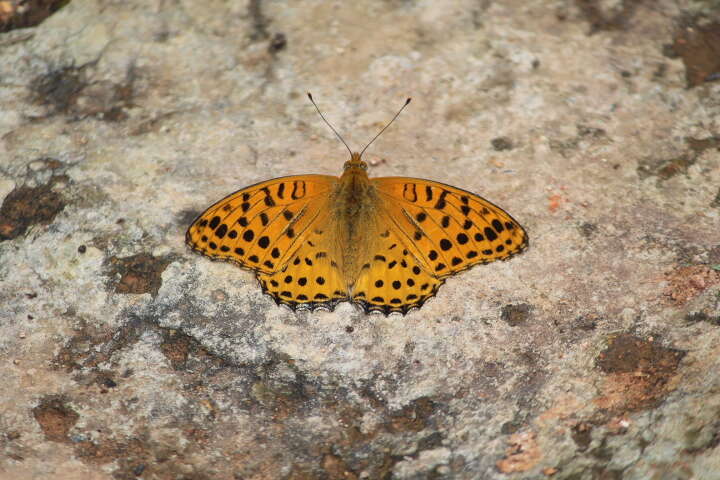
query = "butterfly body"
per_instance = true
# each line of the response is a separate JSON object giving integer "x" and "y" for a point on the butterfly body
{"x": 355, "y": 202}
{"x": 386, "y": 244}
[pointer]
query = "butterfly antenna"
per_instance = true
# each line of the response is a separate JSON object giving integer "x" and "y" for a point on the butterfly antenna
{"x": 386, "y": 126}
{"x": 328, "y": 123}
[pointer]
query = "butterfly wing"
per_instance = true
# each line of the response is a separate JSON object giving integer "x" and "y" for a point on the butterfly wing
{"x": 260, "y": 226}
{"x": 273, "y": 229}
{"x": 311, "y": 278}
{"x": 448, "y": 229}
{"x": 394, "y": 281}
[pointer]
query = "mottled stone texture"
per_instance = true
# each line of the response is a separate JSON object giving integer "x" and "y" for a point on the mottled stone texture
{"x": 594, "y": 355}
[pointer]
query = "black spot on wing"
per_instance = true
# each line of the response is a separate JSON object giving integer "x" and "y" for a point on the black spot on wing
{"x": 298, "y": 189}
{"x": 409, "y": 192}
{"x": 395, "y": 305}
{"x": 441, "y": 203}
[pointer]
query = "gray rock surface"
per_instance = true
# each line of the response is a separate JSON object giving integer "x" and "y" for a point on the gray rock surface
{"x": 592, "y": 355}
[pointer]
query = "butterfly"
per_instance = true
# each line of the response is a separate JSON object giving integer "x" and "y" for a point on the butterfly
{"x": 386, "y": 244}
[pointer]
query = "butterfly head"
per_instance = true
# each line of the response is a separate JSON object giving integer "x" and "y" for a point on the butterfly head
{"x": 355, "y": 162}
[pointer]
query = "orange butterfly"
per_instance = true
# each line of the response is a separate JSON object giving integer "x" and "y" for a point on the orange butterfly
{"x": 386, "y": 244}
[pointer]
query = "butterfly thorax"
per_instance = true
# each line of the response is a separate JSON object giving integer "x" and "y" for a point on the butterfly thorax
{"x": 354, "y": 217}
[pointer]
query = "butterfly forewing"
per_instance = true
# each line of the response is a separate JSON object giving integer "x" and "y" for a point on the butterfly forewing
{"x": 449, "y": 229}
{"x": 260, "y": 227}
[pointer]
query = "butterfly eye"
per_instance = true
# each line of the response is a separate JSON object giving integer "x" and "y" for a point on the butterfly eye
{"x": 346, "y": 165}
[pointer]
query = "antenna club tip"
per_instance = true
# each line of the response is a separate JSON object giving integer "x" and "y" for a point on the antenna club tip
{"x": 309, "y": 95}
{"x": 408, "y": 100}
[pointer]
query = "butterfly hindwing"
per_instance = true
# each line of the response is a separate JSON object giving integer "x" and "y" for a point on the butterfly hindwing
{"x": 447, "y": 228}
{"x": 393, "y": 281}
{"x": 259, "y": 227}
{"x": 311, "y": 277}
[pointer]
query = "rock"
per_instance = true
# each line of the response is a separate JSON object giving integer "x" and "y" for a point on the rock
{"x": 592, "y": 355}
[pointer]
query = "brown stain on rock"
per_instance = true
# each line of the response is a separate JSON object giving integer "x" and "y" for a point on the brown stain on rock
{"x": 516, "y": 315}
{"x": 283, "y": 399}
{"x": 72, "y": 90}
{"x": 521, "y": 454}
{"x": 176, "y": 348}
{"x": 582, "y": 435}
{"x": 27, "y": 206}
{"x": 413, "y": 417}
{"x": 277, "y": 43}
{"x": 92, "y": 345}
{"x": 138, "y": 456}
{"x": 699, "y": 47}
{"x": 79, "y": 351}
{"x": 58, "y": 89}
{"x": 335, "y": 467}
{"x": 344, "y": 451}
{"x": 685, "y": 283}
{"x": 55, "y": 418}
{"x": 16, "y": 14}
{"x": 607, "y": 19}
{"x": 501, "y": 144}
{"x": 701, "y": 145}
{"x": 640, "y": 373}
{"x": 141, "y": 273}
{"x": 665, "y": 169}
{"x": 588, "y": 229}
{"x": 146, "y": 459}
{"x": 675, "y": 166}
{"x": 183, "y": 351}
